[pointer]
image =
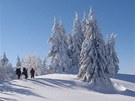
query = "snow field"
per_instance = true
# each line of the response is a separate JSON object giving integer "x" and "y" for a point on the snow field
{"x": 63, "y": 87}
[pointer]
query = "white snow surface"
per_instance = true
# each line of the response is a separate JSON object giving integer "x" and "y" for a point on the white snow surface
{"x": 66, "y": 87}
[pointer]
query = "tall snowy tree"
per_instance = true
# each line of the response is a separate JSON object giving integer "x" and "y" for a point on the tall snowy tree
{"x": 114, "y": 61}
{"x": 44, "y": 62}
{"x": 45, "y": 69}
{"x": 18, "y": 63}
{"x": 60, "y": 61}
{"x": 94, "y": 58}
{"x": 6, "y": 70}
{"x": 64, "y": 41}
{"x": 4, "y": 59}
{"x": 70, "y": 46}
{"x": 77, "y": 39}
{"x": 83, "y": 24}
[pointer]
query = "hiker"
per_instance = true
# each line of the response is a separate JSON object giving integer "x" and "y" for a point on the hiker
{"x": 18, "y": 72}
{"x": 32, "y": 72}
{"x": 25, "y": 72}
{"x": 63, "y": 69}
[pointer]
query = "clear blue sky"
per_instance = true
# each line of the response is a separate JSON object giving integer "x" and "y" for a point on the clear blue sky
{"x": 25, "y": 25}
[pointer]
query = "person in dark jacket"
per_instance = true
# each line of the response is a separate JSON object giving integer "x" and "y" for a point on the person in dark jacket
{"x": 32, "y": 72}
{"x": 18, "y": 72}
{"x": 25, "y": 73}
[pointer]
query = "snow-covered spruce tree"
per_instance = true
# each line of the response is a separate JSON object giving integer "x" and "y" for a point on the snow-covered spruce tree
{"x": 114, "y": 61}
{"x": 44, "y": 62}
{"x": 4, "y": 59}
{"x": 33, "y": 61}
{"x": 45, "y": 69}
{"x": 70, "y": 46}
{"x": 6, "y": 70}
{"x": 64, "y": 41}
{"x": 58, "y": 53}
{"x": 83, "y": 24}
{"x": 94, "y": 58}
{"x": 77, "y": 39}
{"x": 18, "y": 63}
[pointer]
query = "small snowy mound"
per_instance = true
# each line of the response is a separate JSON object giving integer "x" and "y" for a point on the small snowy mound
{"x": 119, "y": 87}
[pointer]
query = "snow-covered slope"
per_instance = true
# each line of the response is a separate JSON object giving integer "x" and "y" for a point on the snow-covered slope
{"x": 66, "y": 87}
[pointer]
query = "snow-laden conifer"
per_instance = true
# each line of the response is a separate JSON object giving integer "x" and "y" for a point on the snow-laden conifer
{"x": 44, "y": 62}
{"x": 6, "y": 70}
{"x": 45, "y": 69}
{"x": 70, "y": 47}
{"x": 60, "y": 61}
{"x": 94, "y": 58}
{"x": 83, "y": 24}
{"x": 77, "y": 39}
{"x": 114, "y": 61}
{"x": 4, "y": 59}
{"x": 18, "y": 63}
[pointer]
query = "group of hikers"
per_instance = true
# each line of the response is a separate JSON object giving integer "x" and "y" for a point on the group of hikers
{"x": 19, "y": 73}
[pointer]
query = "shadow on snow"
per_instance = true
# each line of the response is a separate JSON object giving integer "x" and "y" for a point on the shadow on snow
{"x": 9, "y": 87}
{"x": 6, "y": 99}
{"x": 58, "y": 83}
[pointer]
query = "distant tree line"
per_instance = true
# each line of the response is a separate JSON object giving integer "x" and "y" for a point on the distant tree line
{"x": 8, "y": 72}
